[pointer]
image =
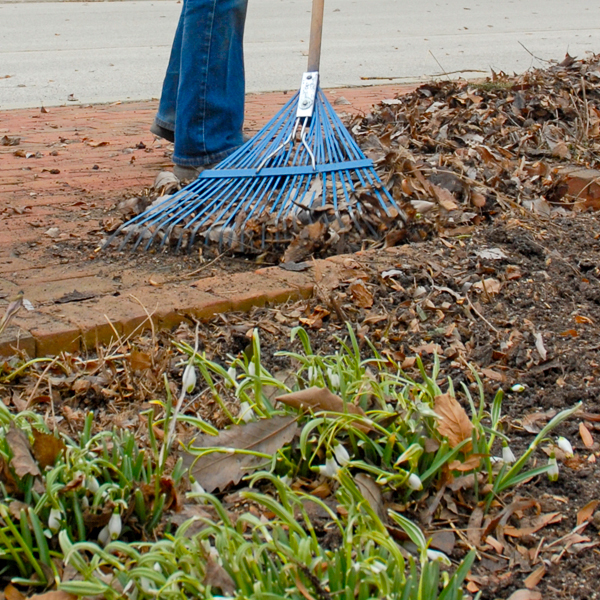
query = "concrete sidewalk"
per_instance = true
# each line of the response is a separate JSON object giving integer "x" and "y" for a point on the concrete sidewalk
{"x": 89, "y": 52}
{"x": 60, "y": 187}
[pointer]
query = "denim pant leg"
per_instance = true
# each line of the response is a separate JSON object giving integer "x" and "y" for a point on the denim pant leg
{"x": 167, "y": 107}
{"x": 205, "y": 91}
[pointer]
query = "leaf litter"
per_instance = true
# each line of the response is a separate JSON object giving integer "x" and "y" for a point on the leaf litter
{"x": 501, "y": 272}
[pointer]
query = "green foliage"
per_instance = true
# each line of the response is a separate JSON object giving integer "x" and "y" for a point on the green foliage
{"x": 273, "y": 558}
{"x": 87, "y": 492}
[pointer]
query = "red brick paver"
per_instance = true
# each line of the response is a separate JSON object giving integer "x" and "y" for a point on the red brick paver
{"x": 72, "y": 166}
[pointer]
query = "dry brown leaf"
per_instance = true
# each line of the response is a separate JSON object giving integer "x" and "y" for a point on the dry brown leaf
{"x": 372, "y": 494}
{"x": 317, "y": 399}
{"x": 302, "y": 588}
{"x": 537, "y": 524}
{"x": 360, "y": 294}
{"x": 140, "y": 361}
{"x": 535, "y": 577}
{"x": 586, "y": 436}
{"x": 489, "y": 286}
{"x": 93, "y": 519}
{"x": 493, "y": 375}
{"x": 525, "y": 594}
{"x": 472, "y": 587}
{"x": 315, "y": 320}
{"x": 444, "y": 541}
{"x": 218, "y": 469}
{"x": 46, "y": 448}
{"x": 217, "y": 577}
{"x": 12, "y": 593}
{"x": 587, "y": 512}
{"x": 55, "y": 595}
{"x": 22, "y": 460}
{"x": 473, "y": 462}
{"x": 532, "y": 423}
{"x": 431, "y": 348}
{"x": 474, "y": 529}
{"x": 478, "y": 199}
{"x": 454, "y": 422}
{"x": 304, "y": 244}
{"x": 445, "y": 198}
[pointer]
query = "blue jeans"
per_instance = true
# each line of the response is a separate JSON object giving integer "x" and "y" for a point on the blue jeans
{"x": 202, "y": 98}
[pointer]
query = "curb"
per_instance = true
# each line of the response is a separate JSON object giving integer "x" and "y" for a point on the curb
{"x": 108, "y": 319}
{"x": 88, "y": 324}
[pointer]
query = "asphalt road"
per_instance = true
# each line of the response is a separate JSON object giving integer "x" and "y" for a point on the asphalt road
{"x": 55, "y": 53}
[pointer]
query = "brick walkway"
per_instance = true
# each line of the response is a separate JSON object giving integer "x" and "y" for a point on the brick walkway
{"x": 75, "y": 164}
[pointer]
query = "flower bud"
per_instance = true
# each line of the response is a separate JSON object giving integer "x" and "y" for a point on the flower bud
{"x": 565, "y": 445}
{"x": 436, "y": 555}
{"x": 246, "y": 413}
{"x": 508, "y": 456}
{"x": 115, "y": 525}
{"x": 553, "y": 471}
{"x": 54, "y": 519}
{"x": 189, "y": 378}
{"x": 104, "y": 535}
{"x": 334, "y": 379}
{"x": 232, "y": 373}
{"x": 330, "y": 468}
{"x": 196, "y": 487}
{"x": 414, "y": 482}
{"x": 91, "y": 484}
{"x": 518, "y": 387}
{"x": 341, "y": 454}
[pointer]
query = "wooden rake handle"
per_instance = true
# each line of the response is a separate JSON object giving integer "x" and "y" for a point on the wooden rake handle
{"x": 316, "y": 35}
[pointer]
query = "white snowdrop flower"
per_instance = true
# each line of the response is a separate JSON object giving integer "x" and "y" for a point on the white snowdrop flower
{"x": 115, "y": 525}
{"x": 565, "y": 445}
{"x": 334, "y": 379}
{"x": 91, "y": 484}
{"x": 341, "y": 454}
{"x": 414, "y": 482}
{"x": 85, "y": 502}
{"x": 54, "y": 519}
{"x": 246, "y": 413}
{"x": 330, "y": 468}
{"x": 518, "y": 387}
{"x": 553, "y": 471}
{"x": 232, "y": 372}
{"x": 251, "y": 369}
{"x": 104, "y": 535}
{"x": 157, "y": 567}
{"x": 196, "y": 487}
{"x": 377, "y": 567}
{"x": 436, "y": 555}
{"x": 508, "y": 456}
{"x": 312, "y": 373}
{"x": 189, "y": 378}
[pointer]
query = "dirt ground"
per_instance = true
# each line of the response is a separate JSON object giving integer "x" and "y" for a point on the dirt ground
{"x": 518, "y": 300}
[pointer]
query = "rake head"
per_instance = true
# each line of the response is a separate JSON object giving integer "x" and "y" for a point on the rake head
{"x": 294, "y": 172}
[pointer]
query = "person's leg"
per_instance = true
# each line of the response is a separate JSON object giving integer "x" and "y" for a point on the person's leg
{"x": 210, "y": 94}
{"x": 164, "y": 122}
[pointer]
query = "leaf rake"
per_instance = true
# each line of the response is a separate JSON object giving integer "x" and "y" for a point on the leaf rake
{"x": 300, "y": 168}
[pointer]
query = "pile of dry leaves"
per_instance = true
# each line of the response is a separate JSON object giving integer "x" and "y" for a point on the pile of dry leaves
{"x": 454, "y": 151}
